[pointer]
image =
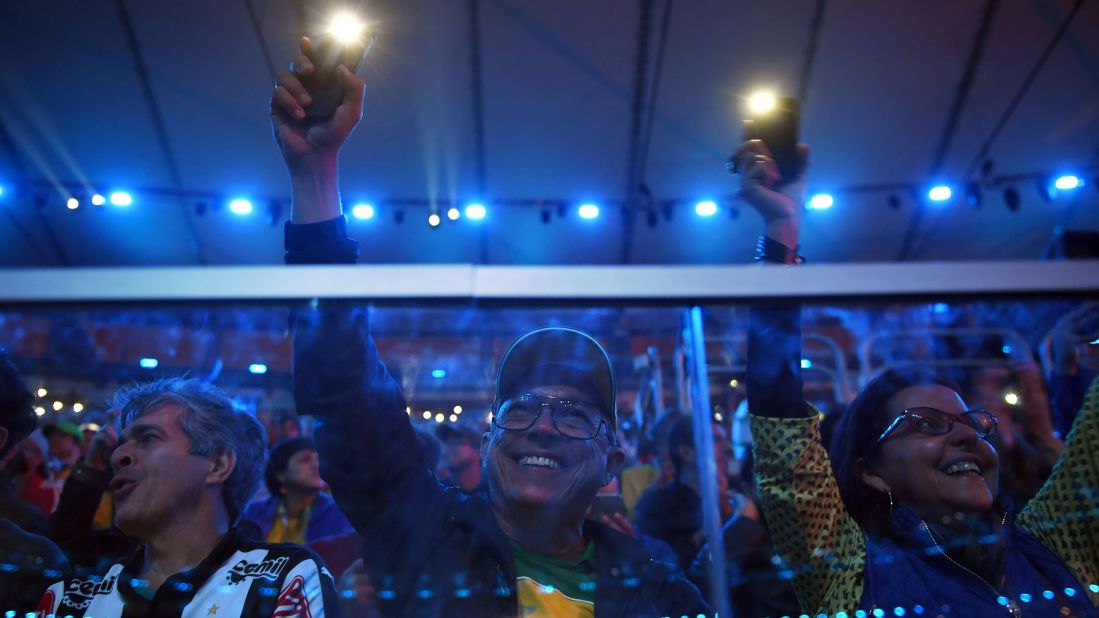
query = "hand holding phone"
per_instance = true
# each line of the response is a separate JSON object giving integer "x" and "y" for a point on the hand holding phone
{"x": 777, "y": 128}
{"x": 345, "y": 42}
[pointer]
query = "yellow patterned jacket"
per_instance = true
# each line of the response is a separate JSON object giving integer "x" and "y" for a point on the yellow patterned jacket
{"x": 826, "y": 548}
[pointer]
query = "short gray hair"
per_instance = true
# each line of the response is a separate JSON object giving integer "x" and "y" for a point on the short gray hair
{"x": 212, "y": 424}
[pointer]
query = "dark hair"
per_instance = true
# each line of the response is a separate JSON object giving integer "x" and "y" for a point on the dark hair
{"x": 680, "y": 434}
{"x": 280, "y": 457}
{"x": 212, "y": 424}
{"x": 658, "y": 431}
{"x": 855, "y": 433}
{"x": 16, "y": 414}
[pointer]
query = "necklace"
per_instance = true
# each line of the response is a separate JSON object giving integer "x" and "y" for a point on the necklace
{"x": 1011, "y": 607}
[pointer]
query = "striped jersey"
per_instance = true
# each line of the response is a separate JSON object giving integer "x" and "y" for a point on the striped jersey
{"x": 240, "y": 577}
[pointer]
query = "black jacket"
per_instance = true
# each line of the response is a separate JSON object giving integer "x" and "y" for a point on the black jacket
{"x": 430, "y": 550}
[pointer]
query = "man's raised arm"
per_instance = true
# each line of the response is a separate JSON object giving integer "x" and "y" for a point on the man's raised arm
{"x": 368, "y": 448}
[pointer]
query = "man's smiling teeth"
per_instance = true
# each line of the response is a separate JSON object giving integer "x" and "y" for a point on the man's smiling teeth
{"x": 544, "y": 462}
{"x": 959, "y": 467}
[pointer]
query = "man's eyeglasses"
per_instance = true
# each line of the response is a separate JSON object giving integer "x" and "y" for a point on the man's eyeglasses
{"x": 935, "y": 422}
{"x": 571, "y": 418}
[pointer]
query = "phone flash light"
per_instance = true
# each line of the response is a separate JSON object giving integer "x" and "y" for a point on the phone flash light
{"x": 761, "y": 102}
{"x": 346, "y": 28}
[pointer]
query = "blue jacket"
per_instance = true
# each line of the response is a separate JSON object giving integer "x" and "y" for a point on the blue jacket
{"x": 908, "y": 569}
{"x": 325, "y": 519}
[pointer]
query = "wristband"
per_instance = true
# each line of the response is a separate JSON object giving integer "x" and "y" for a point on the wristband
{"x": 772, "y": 251}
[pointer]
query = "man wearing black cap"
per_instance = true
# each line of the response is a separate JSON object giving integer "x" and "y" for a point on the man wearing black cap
{"x": 525, "y": 549}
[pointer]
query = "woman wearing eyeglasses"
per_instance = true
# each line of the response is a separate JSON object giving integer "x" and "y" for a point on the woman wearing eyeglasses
{"x": 904, "y": 515}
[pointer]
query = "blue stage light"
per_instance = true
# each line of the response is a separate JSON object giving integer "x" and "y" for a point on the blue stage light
{"x": 148, "y": 363}
{"x": 453, "y": 214}
{"x": 588, "y": 211}
{"x": 1068, "y": 182}
{"x": 438, "y": 373}
{"x": 240, "y": 206}
{"x": 1, "y": 189}
{"x": 257, "y": 368}
{"x": 706, "y": 208}
{"x": 476, "y": 211}
{"x": 98, "y": 200}
{"x": 72, "y": 203}
{"x": 940, "y": 193}
{"x": 821, "y": 201}
{"x": 806, "y": 363}
{"x": 362, "y": 211}
{"x": 121, "y": 198}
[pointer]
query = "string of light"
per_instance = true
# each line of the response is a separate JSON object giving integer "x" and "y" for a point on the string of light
{"x": 73, "y": 196}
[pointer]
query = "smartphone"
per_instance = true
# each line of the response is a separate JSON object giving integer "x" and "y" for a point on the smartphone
{"x": 778, "y": 130}
{"x": 607, "y": 504}
{"x": 323, "y": 84}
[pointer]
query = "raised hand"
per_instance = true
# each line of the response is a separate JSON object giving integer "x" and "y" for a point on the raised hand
{"x": 306, "y": 143}
{"x": 780, "y": 205}
{"x": 1071, "y": 332}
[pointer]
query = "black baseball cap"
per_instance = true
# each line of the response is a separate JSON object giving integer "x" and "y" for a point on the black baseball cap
{"x": 562, "y": 355}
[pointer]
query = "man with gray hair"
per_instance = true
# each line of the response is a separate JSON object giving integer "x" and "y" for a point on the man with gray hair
{"x": 187, "y": 463}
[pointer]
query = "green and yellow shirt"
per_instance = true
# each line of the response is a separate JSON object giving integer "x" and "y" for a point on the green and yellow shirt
{"x": 549, "y": 586}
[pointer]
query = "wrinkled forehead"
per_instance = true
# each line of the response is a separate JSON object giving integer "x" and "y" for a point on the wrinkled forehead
{"x": 164, "y": 416}
{"x": 559, "y": 391}
{"x": 558, "y": 381}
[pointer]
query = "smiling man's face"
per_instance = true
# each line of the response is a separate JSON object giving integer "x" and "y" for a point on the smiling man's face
{"x": 540, "y": 468}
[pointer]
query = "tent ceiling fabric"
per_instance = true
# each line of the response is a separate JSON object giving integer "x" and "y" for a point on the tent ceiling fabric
{"x": 558, "y": 79}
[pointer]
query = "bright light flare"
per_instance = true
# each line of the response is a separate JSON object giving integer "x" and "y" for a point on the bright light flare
{"x": 72, "y": 203}
{"x": 706, "y": 208}
{"x": 453, "y": 214}
{"x": 439, "y": 417}
{"x": 1011, "y": 399}
{"x": 588, "y": 211}
{"x": 148, "y": 363}
{"x": 240, "y": 206}
{"x": 57, "y": 405}
{"x": 98, "y": 200}
{"x": 438, "y": 373}
{"x": 257, "y": 368}
{"x": 121, "y": 198}
{"x": 476, "y": 211}
{"x": 940, "y": 193}
{"x": 346, "y": 28}
{"x": 78, "y": 407}
{"x": 39, "y": 410}
{"x": 453, "y": 418}
{"x": 762, "y": 102}
{"x": 433, "y": 220}
{"x": 427, "y": 415}
{"x": 42, "y": 392}
{"x": 457, "y": 409}
{"x": 821, "y": 201}
{"x": 1068, "y": 182}
{"x": 362, "y": 211}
